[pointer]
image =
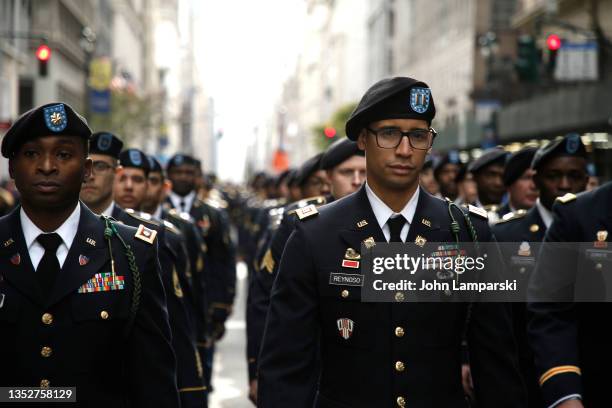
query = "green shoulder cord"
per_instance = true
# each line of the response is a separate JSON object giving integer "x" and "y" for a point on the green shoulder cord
{"x": 455, "y": 228}
{"x": 109, "y": 231}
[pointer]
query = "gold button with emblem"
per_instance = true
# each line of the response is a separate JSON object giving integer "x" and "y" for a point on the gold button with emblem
{"x": 47, "y": 318}
{"x": 522, "y": 270}
{"x": 344, "y": 293}
{"x": 399, "y": 331}
{"x": 401, "y": 401}
{"x": 104, "y": 315}
{"x": 44, "y": 383}
{"x": 534, "y": 228}
{"x": 598, "y": 266}
{"x": 400, "y": 366}
{"x": 46, "y": 351}
{"x": 399, "y": 297}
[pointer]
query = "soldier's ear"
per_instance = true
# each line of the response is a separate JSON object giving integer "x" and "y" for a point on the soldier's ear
{"x": 167, "y": 186}
{"x": 361, "y": 142}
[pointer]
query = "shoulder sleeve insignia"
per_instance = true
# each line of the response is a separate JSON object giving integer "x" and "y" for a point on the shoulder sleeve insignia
{"x": 568, "y": 197}
{"x": 306, "y": 212}
{"x": 145, "y": 234}
{"x": 478, "y": 211}
{"x": 178, "y": 291}
{"x": 268, "y": 262}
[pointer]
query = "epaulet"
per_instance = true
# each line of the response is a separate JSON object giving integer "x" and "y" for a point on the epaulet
{"x": 306, "y": 212}
{"x": 145, "y": 234}
{"x": 185, "y": 216}
{"x": 171, "y": 227}
{"x": 276, "y": 215}
{"x": 567, "y": 198}
{"x": 317, "y": 201}
{"x": 513, "y": 216}
{"x": 215, "y": 203}
{"x": 478, "y": 211}
{"x": 142, "y": 216}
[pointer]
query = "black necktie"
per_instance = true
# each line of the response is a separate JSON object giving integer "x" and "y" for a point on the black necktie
{"x": 182, "y": 204}
{"x": 395, "y": 227}
{"x": 49, "y": 266}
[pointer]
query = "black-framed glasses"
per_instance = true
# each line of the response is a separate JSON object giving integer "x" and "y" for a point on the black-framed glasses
{"x": 390, "y": 138}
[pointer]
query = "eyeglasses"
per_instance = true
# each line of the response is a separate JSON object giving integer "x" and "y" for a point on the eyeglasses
{"x": 101, "y": 167}
{"x": 390, "y": 138}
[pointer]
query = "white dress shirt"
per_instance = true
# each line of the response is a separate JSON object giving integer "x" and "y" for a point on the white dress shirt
{"x": 187, "y": 200}
{"x": 67, "y": 231}
{"x": 382, "y": 212}
{"x": 546, "y": 215}
{"x": 109, "y": 210}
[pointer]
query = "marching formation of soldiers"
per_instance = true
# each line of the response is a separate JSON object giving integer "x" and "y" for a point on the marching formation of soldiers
{"x": 119, "y": 273}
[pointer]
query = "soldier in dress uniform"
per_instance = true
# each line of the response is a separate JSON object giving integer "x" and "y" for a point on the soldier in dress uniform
{"x": 321, "y": 341}
{"x": 445, "y": 172}
{"x": 560, "y": 169}
{"x": 427, "y": 179}
{"x": 488, "y": 171}
{"x": 344, "y": 164}
{"x": 157, "y": 188}
{"x": 130, "y": 191}
{"x": 569, "y": 336}
{"x": 518, "y": 179}
{"x": 214, "y": 228}
{"x": 81, "y": 300}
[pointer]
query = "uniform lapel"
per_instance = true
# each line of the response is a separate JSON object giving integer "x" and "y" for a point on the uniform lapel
{"x": 87, "y": 255}
{"x": 15, "y": 262}
{"x": 425, "y": 220}
{"x": 363, "y": 222}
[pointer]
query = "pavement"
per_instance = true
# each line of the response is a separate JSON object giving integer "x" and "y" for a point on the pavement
{"x": 230, "y": 376}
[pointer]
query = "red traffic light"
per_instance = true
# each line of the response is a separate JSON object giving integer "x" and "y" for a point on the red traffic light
{"x": 43, "y": 52}
{"x": 329, "y": 132}
{"x": 553, "y": 42}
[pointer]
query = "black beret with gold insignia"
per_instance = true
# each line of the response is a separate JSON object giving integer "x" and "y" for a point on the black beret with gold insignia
{"x": 179, "y": 160}
{"x": 53, "y": 119}
{"x": 105, "y": 143}
{"x": 392, "y": 98}
{"x": 338, "y": 152}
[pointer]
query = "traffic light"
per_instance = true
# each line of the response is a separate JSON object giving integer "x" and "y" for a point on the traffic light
{"x": 553, "y": 43}
{"x": 528, "y": 61}
{"x": 43, "y": 53}
{"x": 329, "y": 132}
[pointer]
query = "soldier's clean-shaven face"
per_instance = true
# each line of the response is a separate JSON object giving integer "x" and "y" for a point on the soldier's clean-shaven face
{"x": 98, "y": 187}
{"x": 49, "y": 171}
{"x": 348, "y": 176}
{"x": 130, "y": 187}
{"x": 397, "y": 168}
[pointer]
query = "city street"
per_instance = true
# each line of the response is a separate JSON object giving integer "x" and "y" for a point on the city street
{"x": 230, "y": 368}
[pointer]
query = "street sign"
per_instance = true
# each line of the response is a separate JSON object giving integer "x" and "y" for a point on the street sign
{"x": 577, "y": 61}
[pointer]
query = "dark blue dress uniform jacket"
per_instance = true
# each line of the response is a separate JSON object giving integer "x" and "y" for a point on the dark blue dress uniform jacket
{"x": 364, "y": 371}
{"x": 571, "y": 340}
{"x": 84, "y": 332}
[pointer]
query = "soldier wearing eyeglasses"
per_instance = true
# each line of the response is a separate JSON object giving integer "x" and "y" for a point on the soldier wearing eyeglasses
{"x": 322, "y": 345}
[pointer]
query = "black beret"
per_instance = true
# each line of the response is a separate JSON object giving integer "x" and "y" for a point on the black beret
{"x": 46, "y": 120}
{"x": 392, "y": 98}
{"x": 338, "y": 152}
{"x": 308, "y": 167}
{"x": 492, "y": 156}
{"x": 569, "y": 145}
{"x": 179, "y": 160}
{"x": 451, "y": 157}
{"x": 134, "y": 158}
{"x": 105, "y": 143}
{"x": 280, "y": 179}
{"x": 292, "y": 177}
{"x": 517, "y": 163}
{"x": 154, "y": 165}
